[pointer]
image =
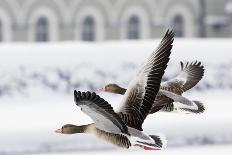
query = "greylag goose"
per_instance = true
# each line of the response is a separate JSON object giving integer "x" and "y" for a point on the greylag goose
{"x": 124, "y": 127}
{"x": 171, "y": 91}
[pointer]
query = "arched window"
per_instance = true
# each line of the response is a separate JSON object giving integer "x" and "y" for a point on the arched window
{"x": 1, "y": 33}
{"x": 178, "y": 26}
{"x": 88, "y": 29}
{"x": 133, "y": 28}
{"x": 42, "y": 28}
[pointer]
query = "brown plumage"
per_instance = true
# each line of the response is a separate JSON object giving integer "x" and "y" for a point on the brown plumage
{"x": 140, "y": 95}
{"x": 119, "y": 140}
{"x": 121, "y": 127}
{"x": 190, "y": 75}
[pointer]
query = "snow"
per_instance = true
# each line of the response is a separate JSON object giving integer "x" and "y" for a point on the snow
{"x": 29, "y": 126}
{"x": 228, "y": 8}
{"x": 206, "y": 150}
{"x": 30, "y": 69}
{"x": 68, "y": 53}
{"x": 37, "y": 83}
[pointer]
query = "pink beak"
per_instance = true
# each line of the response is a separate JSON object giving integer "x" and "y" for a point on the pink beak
{"x": 58, "y": 131}
{"x": 102, "y": 88}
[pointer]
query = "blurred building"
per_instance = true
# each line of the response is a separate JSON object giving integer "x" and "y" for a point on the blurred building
{"x": 97, "y": 20}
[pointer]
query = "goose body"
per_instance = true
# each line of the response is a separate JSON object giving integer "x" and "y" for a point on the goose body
{"x": 124, "y": 126}
{"x": 170, "y": 92}
{"x": 110, "y": 127}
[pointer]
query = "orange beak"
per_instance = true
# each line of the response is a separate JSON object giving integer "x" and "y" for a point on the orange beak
{"x": 58, "y": 131}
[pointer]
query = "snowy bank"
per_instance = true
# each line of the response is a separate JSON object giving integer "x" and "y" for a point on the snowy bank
{"x": 37, "y": 82}
{"x": 29, "y": 69}
{"x": 28, "y": 126}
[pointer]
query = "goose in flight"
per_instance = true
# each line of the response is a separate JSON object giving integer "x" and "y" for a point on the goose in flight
{"x": 170, "y": 93}
{"x": 124, "y": 126}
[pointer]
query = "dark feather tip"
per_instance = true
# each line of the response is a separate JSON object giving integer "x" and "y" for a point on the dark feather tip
{"x": 75, "y": 92}
{"x": 88, "y": 95}
{"x": 77, "y": 95}
{"x": 83, "y": 95}
{"x": 182, "y": 65}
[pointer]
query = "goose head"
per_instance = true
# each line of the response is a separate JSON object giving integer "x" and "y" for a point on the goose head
{"x": 70, "y": 129}
{"x": 113, "y": 88}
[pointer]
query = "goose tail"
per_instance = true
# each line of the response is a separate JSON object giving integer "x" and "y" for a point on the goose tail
{"x": 198, "y": 108}
{"x": 160, "y": 140}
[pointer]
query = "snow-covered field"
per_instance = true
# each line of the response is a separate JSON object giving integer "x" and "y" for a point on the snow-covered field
{"x": 29, "y": 69}
{"x": 29, "y": 127}
{"x": 37, "y": 83}
{"x": 206, "y": 150}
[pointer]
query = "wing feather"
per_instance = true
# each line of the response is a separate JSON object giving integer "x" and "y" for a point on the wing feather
{"x": 177, "y": 98}
{"x": 142, "y": 90}
{"x": 190, "y": 75}
{"x": 100, "y": 111}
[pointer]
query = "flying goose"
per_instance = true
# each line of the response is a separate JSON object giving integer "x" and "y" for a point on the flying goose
{"x": 171, "y": 91}
{"x": 124, "y": 127}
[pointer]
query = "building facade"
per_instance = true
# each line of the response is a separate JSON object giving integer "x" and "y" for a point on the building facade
{"x": 99, "y": 20}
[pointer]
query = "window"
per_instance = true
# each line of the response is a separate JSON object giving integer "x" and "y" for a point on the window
{"x": 88, "y": 29}
{"x": 133, "y": 28}
{"x": 178, "y": 26}
{"x": 42, "y": 30}
{"x": 1, "y": 34}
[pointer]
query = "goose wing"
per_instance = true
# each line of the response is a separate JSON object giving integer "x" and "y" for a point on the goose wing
{"x": 177, "y": 98}
{"x": 142, "y": 90}
{"x": 190, "y": 75}
{"x": 100, "y": 112}
{"x": 185, "y": 104}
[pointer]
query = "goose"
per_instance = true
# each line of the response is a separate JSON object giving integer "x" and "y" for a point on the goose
{"x": 123, "y": 127}
{"x": 170, "y": 93}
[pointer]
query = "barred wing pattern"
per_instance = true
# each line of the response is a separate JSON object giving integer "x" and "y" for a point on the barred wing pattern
{"x": 142, "y": 90}
{"x": 190, "y": 75}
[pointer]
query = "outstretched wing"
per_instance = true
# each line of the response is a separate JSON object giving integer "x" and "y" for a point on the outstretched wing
{"x": 177, "y": 98}
{"x": 142, "y": 91}
{"x": 184, "y": 103}
{"x": 100, "y": 112}
{"x": 190, "y": 75}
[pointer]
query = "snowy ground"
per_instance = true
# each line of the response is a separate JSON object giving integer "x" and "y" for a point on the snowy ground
{"x": 206, "y": 150}
{"x": 31, "y": 69}
{"x": 29, "y": 127}
{"x": 37, "y": 81}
